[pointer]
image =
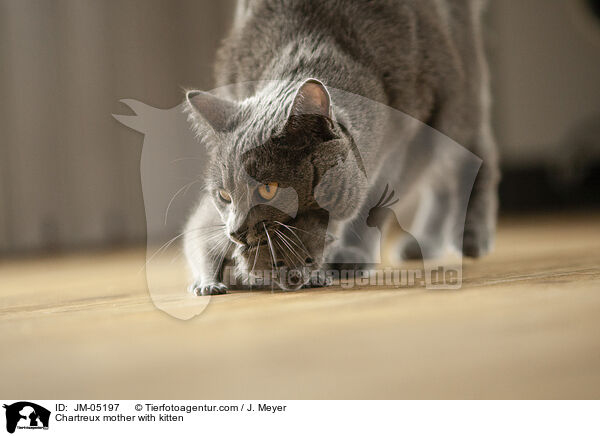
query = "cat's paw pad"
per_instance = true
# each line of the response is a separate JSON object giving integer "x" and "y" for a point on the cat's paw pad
{"x": 208, "y": 289}
{"x": 477, "y": 242}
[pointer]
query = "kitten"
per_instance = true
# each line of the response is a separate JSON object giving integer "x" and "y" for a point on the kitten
{"x": 277, "y": 137}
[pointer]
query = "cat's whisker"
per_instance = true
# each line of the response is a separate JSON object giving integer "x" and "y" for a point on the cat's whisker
{"x": 292, "y": 250}
{"x": 186, "y": 158}
{"x": 226, "y": 247}
{"x": 256, "y": 255}
{"x": 298, "y": 238}
{"x": 270, "y": 247}
{"x": 184, "y": 187}
{"x": 287, "y": 256}
{"x": 300, "y": 260}
{"x": 216, "y": 248}
{"x": 300, "y": 251}
{"x": 167, "y": 244}
{"x": 297, "y": 228}
{"x": 303, "y": 248}
{"x": 209, "y": 230}
{"x": 208, "y": 237}
{"x": 217, "y": 235}
{"x": 211, "y": 254}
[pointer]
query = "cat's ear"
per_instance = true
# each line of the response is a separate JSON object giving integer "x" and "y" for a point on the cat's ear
{"x": 311, "y": 112}
{"x": 312, "y": 98}
{"x": 208, "y": 110}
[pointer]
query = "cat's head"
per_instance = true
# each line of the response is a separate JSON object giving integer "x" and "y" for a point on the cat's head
{"x": 268, "y": 154}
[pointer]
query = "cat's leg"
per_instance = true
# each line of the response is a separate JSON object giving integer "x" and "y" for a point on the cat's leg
{"x": 477, "y": 235}
{"x": 357, "y": 244}
{"x": 431, "y": 224}
{"x": 449, "y": 191}
{"x": 480, "y": 223}
{"x": 207, "y": 250}
{"x": 467, "y": 121}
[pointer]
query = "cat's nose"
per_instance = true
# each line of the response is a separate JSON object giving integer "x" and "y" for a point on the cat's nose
{"x": 239, "y": 237}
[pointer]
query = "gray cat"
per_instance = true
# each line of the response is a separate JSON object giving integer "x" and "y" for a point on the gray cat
{"x": 278, "y": 136}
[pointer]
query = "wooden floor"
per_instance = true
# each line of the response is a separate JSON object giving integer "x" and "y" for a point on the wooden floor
{"x": 526, "y": 324}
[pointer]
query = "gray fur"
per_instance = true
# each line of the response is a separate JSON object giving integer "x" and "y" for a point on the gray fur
{"x": 422, "y": 57}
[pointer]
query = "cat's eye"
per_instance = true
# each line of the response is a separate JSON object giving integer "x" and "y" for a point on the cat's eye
{"x": 268, "y": 190}
{"x": 224, "y": 196}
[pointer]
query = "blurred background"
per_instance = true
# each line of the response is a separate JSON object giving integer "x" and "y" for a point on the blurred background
{"x": 69, "y": 173}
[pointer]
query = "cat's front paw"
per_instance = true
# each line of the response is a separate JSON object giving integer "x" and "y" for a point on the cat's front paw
{"x": 214, "y": 288}
{"x": 477, "y": 241}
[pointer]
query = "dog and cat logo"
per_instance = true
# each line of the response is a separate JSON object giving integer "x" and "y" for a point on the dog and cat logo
{"x": 26, "y": 415}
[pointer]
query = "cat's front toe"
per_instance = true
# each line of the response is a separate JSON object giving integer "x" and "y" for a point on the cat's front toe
{"x": 208, "y": 289}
